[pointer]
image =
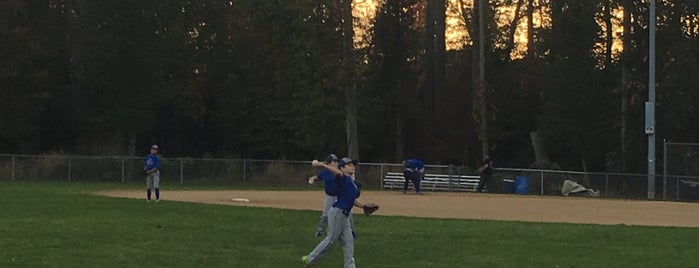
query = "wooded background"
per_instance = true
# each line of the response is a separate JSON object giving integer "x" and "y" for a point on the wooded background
{"x": 279, "y": 79}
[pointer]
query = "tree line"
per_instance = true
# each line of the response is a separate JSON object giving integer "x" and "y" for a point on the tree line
{"x": 299, "y": 79}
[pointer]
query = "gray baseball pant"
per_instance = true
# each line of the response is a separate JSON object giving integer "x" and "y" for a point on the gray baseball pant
{"x": 153, "y": 180}
{"x": 339, "y": 230}
{"x": 327, "y": 204}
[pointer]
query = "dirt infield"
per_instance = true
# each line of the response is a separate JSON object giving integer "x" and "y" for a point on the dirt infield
{"x": 463, "y": 206}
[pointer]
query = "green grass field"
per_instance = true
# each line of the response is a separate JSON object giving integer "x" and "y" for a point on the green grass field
{"x": 49, "y": 224}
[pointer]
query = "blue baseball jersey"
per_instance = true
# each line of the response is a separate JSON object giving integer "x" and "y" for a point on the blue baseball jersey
{"x": 348, "y": 193}
{"x": 152, "y": 161}
{"x": 331, "y": 186}
{"x": 414, "y": 164}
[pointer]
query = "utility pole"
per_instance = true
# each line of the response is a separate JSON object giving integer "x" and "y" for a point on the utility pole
{"x": 650, "y": 105}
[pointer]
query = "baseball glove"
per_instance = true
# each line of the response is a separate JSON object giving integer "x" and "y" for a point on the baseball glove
{"x": 370, "y": 208}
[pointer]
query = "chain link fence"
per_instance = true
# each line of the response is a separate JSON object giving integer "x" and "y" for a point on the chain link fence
{"x": 285, "y": 174}
{"x": 681, "y": 165}
{"x": 231, "y": 172}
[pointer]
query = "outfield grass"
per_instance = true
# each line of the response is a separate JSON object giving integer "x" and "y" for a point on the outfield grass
{"x": 59, "y": 225}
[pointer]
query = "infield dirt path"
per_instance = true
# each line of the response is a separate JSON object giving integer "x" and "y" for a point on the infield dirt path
{"x": 463, "y": 206}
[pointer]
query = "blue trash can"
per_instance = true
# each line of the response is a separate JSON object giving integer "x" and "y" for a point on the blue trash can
{"x": 509, "y": 186}
{"x": 521, "y": 185}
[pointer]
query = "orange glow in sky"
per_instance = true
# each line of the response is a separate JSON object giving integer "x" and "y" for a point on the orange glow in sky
{"x": 457, "y": 36}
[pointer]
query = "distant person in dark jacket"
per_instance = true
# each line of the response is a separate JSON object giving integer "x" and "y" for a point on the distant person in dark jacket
{"x": 486, "y": 173}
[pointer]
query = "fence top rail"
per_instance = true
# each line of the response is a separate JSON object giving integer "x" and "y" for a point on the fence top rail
{"x": 683, "y": 177}
{"x": 142, "y": 157}
{"x": 569, "y": 172}
{"x": 67, "y": 156}
{"x": 681, "y": 143}
{"x": 309, "y": 161}
{"x": 432, "y": 175}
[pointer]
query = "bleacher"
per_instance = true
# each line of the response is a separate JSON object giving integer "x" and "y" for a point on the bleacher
{"x": 433, "y": 182}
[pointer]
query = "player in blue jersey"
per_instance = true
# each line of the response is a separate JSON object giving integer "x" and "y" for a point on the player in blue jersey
{"x": 152, "y": 169}
{"x": 414, "y": 171}
{"x": 331, "y": 191}
{"x": 339, "y": 226}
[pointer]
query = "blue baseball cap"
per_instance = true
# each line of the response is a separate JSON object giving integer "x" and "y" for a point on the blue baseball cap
{"x": 346, "y": 160}
{"x": 331, "y": 157}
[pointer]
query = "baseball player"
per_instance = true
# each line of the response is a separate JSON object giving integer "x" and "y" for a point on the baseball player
{"x": 339, "y": 227}
{"x": 152, "y": 169}
{"x": 486, "y": 173}
{"x": 331, "y": 192}
{"x": 414, "y": 171}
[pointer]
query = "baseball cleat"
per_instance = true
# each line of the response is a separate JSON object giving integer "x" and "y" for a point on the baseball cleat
{"x": 318, "y": 234}
{"x": 157, "y": 200}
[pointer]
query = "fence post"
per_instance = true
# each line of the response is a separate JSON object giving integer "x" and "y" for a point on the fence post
{"x": 449, "y": 178}
{"x": 245, "y": 168}
{"x": 381, "y": 177}
{"x": 665, "y": 169}
{"x": 677, "y": 188}
{"x": 606, "y": 185}
{"x": 13, "y": 167}
{"x": 123, "y": 169}
{"x": 181, "y": 171}
{"x": 70, "y": 164}
{"x": 542, "y": 183}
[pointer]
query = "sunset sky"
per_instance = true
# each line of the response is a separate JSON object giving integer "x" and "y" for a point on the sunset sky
{"x": 457, "y": 36}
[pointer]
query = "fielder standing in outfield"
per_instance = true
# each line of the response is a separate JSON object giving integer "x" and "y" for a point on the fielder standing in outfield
{"x": 339, "y": 227}
{"x": 152, "y": 169}
{"x": 414, "y": 171}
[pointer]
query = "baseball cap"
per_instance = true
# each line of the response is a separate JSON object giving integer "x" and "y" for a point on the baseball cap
{"x": 331, "y": 157}
{"x": 347, "y": 160}
{"x": 154, "y": 146}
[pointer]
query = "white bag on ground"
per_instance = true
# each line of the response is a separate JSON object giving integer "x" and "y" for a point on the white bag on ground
{"x": 573, "y": 188}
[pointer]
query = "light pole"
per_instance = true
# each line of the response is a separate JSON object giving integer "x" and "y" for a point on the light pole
{"x": 650, "y": 105}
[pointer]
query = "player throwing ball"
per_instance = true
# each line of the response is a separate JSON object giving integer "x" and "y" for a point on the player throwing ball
{"x": 339, "y": 227}
{"x": 331, "y": 189}
{"x": 152, "y": 169}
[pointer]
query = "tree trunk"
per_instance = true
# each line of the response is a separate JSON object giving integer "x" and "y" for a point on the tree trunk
{"x": 530, "y": 30}
{"x": 610, "y": 37}
{"x": 435, "y": 68}
{"x": 436, "y": 52}
{"x": 400, "y": 141}
{"x": 439, "y": 53}
{"x": 430, "y": 56}
{"x": 349, "y": 79}
{"x": 539, "y": 149}
{"x": 481, "y": 85}
{"x": 513, "y": 28}
{"x": 586, "y": 179}
{"x": 626, "y": 40}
